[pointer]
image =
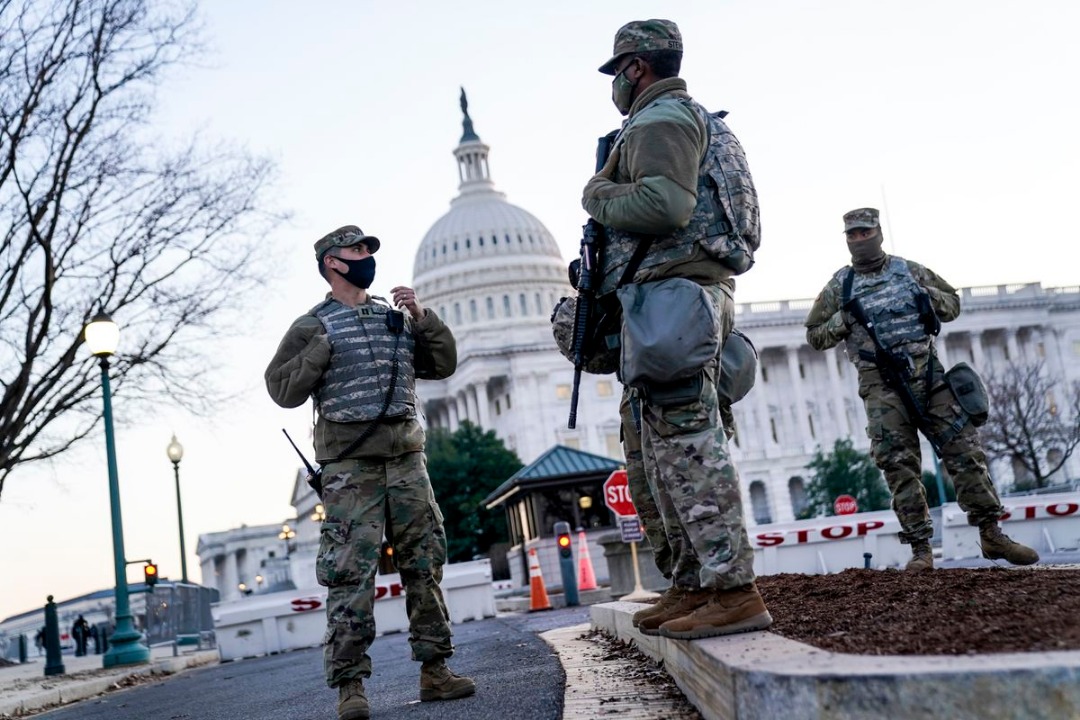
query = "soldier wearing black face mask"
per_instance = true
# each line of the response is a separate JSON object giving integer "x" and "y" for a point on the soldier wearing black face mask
{"x": 358, "y": 359}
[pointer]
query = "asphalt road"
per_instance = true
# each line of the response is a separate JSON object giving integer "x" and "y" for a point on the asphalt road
{"x": 515, "y": 671}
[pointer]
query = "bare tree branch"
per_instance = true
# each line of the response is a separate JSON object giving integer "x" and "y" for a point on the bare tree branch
{"x": 96, "y": 214}
{"x": 1034, "y": 421}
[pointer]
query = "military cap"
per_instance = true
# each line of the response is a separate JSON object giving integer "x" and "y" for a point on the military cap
{"x": 642, "y": 36}
{"x": 346, "y": 236}
{"x": 861, "y": 218}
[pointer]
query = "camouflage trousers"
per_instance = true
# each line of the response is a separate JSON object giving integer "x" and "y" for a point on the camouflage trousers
{"x": 640, "y": 493}
{"x": 364, "y": 500}
{"x": 894, "y": 444}
{"x": 694, "y": 483}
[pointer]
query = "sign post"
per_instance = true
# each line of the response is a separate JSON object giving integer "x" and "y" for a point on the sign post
{"x": 617, "y": 498}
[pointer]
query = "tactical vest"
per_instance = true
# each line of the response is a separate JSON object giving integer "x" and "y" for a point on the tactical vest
{"x": 363, "y": 351}
{"x": 725, "y": 221}
{"x": 889, "y": 298}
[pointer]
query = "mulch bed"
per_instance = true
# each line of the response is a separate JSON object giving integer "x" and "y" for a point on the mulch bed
{"x": 939, "y": 612}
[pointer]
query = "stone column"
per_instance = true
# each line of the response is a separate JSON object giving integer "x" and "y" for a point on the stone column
{"x": 483, "y": 403}
{"x": 452, "y": 411}
{"x": 462, "y": 407}
{"x": 470, "y": 402}
{"x": 1013, "y": 346}
{"x": 978, "y": 352}
{"x": 839, "y": 403}
{"x": 230, "y": 591}
{"x": 940, "y": 345}
{"x": 802, "y": 419}
{"x": 762, "y": 409}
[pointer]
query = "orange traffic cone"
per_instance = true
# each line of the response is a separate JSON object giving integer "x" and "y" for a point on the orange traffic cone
{"x": 538, "y": 597}
{"x": 586, "y": 576}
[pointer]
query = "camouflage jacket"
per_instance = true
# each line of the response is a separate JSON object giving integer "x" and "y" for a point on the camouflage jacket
{"x": 649, "y": 184}
{"x": 827, "y": 325}
{"x": 302, "y": 358}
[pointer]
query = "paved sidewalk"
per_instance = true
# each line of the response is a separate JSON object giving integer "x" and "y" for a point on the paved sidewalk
{"x": 24, "y": 689}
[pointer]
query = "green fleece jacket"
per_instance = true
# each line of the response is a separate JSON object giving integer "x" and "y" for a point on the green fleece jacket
{"x": 303, "y": 356}
{"x": 649, "y": 184}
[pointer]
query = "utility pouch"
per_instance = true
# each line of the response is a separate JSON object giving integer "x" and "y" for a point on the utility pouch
{"x": 970, "y": 392}
{"x": 670, "y": 331}
{"x": 679, "y": 392}
{"x": 738, "y": 368}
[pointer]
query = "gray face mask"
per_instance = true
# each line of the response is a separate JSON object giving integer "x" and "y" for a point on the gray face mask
{"x": 622, "y": 92}
{"x": 867, "y": 255}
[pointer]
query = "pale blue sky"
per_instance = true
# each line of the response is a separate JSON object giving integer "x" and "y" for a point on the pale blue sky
{"x": 960, "y": 110}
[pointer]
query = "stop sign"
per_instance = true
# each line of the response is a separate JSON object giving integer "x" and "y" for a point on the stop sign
{"x": 617, "y": 494}
{"x": 845, "y": 505}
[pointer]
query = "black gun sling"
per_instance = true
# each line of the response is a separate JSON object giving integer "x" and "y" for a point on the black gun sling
{"x": 908, "y": 398}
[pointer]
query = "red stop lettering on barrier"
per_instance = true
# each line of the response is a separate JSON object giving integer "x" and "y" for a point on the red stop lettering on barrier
{"x": 391, "y": 590}
{"x": 305, "y": 604}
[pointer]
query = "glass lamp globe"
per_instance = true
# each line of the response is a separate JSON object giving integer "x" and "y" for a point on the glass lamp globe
{"x": 175, "y": 450}
{"x": 102, "y": 335}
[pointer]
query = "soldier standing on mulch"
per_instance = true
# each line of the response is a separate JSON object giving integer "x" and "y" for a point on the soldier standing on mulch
{"x": 887, "y": 311}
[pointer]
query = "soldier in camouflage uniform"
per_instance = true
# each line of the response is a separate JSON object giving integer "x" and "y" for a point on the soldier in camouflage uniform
{"x": 888, "y": 288}
{"x": 667, "y": 179}
{"x": 359, "y": 366}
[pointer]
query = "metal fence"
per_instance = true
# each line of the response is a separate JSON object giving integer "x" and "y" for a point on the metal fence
{"x": 178, "y": 611}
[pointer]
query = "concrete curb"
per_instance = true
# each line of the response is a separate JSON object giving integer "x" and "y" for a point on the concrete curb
{"x": 762, "y": 676}
{"x": 69, "y": 690}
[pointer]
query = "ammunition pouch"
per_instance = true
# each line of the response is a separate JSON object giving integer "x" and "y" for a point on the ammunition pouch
{"x": 970, "y": 392}
{"x": 677, "y": 392}
{"x": 738, "y": 368}
{"x": 601, "y": 350}
{"x": 670, "y": 332}
{"x": 927, "y": 316}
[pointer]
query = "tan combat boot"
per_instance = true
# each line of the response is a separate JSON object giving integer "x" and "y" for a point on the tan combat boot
{"x": 686, "y": 601}
{"x": 437, "y": 682}
{"x": 922, "y": 557}
{"x": 996, "y": 545}
{"x": 352, "y": 702}
{"x": 737, "y": 610}
{"x": 669, "y": 596}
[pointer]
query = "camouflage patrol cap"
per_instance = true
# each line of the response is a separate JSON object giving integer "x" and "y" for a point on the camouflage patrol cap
{"x": 861, "y": 218}
{"x": 642, "y": 36}
{"x": 346, "y": 236}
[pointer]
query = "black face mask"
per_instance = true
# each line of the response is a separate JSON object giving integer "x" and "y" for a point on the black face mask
{"x": 361, "y": 272}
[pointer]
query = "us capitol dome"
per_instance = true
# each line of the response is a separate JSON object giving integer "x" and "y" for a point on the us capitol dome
{"x": 493, "y": 273}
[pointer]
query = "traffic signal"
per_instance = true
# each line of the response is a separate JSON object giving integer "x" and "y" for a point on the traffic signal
{"x": 150, "y": 575}
{"x": 563, "y": 541}
{"x": 386, "y": 559}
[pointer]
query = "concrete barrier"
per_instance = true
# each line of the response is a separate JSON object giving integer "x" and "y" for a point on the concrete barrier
{"x": 1048, "y": 523}
{"x": 276, "y": 622}
{"x": 828, "y": 545}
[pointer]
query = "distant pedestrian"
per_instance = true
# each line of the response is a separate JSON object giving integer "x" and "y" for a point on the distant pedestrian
{"x": 39, "y": 641}
{"x": 80, "y": 632}
{"x": 96, "y": 637}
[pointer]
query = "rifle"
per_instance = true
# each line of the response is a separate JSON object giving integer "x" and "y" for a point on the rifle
{"x": 894, "y": 370}
{"x": 314, "y": 478}
{"x": 592, "y": 241}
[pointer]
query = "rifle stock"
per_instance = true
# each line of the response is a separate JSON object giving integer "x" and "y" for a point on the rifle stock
{"x": 894, "y": 371}
{"x": 592, "y": 241}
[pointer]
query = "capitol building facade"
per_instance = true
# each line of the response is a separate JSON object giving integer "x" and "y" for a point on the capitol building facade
{"x": 493, "y": 273}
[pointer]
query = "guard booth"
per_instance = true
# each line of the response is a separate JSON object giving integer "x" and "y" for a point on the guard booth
{"x": 563, "y": 484}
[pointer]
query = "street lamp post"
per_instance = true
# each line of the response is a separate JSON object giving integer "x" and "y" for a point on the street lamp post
{"x": 175, "y": 452}
{"x": 125, "y": 645}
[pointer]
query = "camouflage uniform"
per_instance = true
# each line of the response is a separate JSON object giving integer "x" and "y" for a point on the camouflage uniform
{"x": 650, "y": 185}
{"x": 381, "y": 488}
{"x": 893, "y": 432}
